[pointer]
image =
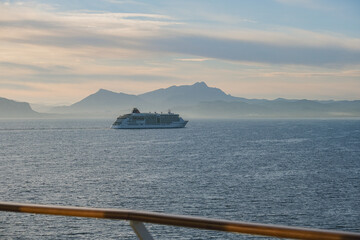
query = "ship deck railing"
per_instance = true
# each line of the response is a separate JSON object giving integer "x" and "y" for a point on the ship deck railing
{"x": 138, "y": 218}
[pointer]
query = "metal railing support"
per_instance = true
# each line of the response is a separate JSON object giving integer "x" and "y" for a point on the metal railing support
{"x": 183, "y": 221}
{"x": 141, "y": 232}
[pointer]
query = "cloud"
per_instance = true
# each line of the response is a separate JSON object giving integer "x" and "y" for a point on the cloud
{"x": 40, "y": 45}
{"x": 53, "y": 54}
{"x": 158, "y": 34}
{"x": 193, "y": 59}
{"x": 125, "y": 2}
{"x": 152, "y": 33}
{"x": 252, "y": 51}
{"x": 14, "y": 86}
{"x": 34, "y": 68}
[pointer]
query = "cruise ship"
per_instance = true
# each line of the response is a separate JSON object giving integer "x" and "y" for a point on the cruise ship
{"x": 136, "y": 120}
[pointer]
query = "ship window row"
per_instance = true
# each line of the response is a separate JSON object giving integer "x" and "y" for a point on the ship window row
{"x": 163, "y": 119}
{"x": 138, "y": 118}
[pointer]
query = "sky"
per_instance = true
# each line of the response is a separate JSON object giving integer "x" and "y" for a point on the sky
{"x": 58, "y": 52}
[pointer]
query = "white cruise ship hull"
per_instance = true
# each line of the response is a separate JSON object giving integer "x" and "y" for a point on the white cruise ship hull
{"x": 147, "y": 126}
{"x": 137, "y": 120}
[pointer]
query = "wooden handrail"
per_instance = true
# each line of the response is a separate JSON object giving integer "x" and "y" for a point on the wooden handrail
{"x": 182, "y": 221}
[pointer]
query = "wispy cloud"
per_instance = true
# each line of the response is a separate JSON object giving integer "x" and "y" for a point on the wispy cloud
{"x": 193, "y": 59}
{"x": 151, "y": 33}
{"x": 255, "y": 51}
{"x": 39, "y": 44}
{"x": 125, "y": 2}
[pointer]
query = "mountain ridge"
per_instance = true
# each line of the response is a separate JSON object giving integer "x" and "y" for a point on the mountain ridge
{"x": 160, "y": 99}
{"x": 186, "y": 94}
{"x": 11, "y": 109}
{"x": 201, "y": 101}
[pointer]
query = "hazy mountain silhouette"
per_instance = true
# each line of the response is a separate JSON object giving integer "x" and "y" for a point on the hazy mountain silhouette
{"x": 103, "y": 101}
{"x": 193, "y": 101}
{"x": 199, "y": 100}
{"x": 186, "y": 95}
{"x": 110, "y": 103}
{"x": 10, "y": 108}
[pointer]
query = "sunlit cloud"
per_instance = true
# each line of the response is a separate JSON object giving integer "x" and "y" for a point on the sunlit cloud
{"x": 125, "y": 2}
{"x": 193, "y": 59}
{"x": 150, "y": 32}
{"x": 41, "y": 47}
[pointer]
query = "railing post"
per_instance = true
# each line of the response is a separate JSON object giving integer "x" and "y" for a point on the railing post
{"x": 141, "y": 232}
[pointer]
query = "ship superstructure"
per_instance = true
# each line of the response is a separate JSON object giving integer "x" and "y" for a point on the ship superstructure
{"x": 149, "y": 120}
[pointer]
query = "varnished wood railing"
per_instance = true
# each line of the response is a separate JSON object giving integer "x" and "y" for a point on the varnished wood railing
{"x": 137, "y": 217}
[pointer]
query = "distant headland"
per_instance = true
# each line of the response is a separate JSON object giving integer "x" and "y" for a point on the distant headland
{"x": 192, "y": 101}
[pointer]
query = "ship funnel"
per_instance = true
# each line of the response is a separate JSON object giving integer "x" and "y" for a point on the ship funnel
{"x": 135, "y": 110}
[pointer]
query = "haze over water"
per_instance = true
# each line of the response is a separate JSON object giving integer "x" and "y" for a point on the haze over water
{"x": 291, "y": 172}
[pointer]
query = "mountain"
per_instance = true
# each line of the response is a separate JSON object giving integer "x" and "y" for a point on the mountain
{"x": 200, "y": 101}
{"x": 101, "y": 102}
{"x": 191, "y": 101}
{"x": 108, "y": 103}
{"x": 186, "y": 95}
{"x": 104, "y": 98}
{"x": 10, "y": 109}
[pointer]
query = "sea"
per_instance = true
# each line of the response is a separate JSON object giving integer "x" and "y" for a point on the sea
{"x": 303, "y": 173}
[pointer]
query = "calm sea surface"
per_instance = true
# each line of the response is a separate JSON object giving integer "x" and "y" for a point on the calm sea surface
{"x": 290, "y": 172}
